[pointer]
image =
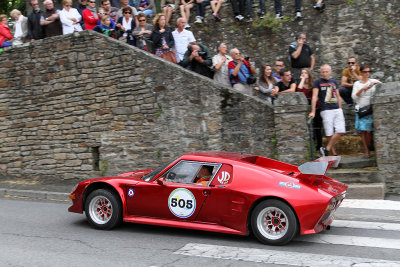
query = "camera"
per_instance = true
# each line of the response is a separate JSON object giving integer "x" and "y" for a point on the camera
{"x": 202, "y": 54}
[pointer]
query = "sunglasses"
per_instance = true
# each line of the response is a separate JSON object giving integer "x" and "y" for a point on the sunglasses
{"x": 366, "y": 71}
{"x": 102, "y": 13}
{"x": 68, "y": 5}
{"x": 142, "y": 20}
{"x": 351, "y": 63}
{"x": 127, "y": 12}
{"x": 92, "y": 2}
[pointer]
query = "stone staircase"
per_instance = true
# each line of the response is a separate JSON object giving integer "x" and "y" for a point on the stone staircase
{"x": 361, "y": 176}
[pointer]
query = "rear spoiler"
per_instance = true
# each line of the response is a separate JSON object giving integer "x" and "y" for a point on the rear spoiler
{"x": 320, "y": 165}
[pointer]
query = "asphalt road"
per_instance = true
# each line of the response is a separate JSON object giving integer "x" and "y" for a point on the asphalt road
{"x": 38, "y": 233}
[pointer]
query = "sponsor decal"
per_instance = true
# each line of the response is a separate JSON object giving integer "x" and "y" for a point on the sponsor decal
{"x": 224, "y": 177}
{"x": 131, "y": 192}
{"x": 290, "y": 185}
{"x": 182, "y": 203}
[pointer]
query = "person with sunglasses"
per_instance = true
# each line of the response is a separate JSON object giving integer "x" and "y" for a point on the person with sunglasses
{"x": 363, "y": 90}
{"x": 350, "y": 75}
{"x": 70, "y": 18}
{"x": 127, "y": 24}
{"x": 134, "y": 13}
{"x": 90, "y": 16}
{"x": 142, "y": 33}
{"x": 102, "y": 13}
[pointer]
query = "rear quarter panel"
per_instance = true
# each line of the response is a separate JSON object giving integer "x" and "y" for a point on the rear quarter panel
{"x": 258, "y": 183}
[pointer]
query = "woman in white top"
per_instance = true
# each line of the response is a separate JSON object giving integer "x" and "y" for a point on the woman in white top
{"x": 220, "y": 63}
{"x": 70, "y": 18}
{"x": 363, "y": 90}
{"x": 20, "y": 27}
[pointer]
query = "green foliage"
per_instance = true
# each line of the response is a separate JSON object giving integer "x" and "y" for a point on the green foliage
{"x": 104, "y": 167}
{"x": 158, "y": 154}
{"x": 7, "y": 5}
{"x": 390, "y": 25}
{"x": 351, "y": 2}
{"x": 159, "y": 112}
{"x": 269, "y": 22}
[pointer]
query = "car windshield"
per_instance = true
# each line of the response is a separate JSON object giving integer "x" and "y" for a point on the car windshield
{"x": 150, "y": 176}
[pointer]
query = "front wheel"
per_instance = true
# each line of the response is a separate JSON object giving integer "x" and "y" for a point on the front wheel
{"x": 103, "y": 209}
{"x": 273, "y": 222}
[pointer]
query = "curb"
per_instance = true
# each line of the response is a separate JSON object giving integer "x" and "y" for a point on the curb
{"x": 32, "y": 194}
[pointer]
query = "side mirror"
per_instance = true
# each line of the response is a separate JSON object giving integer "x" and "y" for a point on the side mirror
{"x": 160, "y": 181}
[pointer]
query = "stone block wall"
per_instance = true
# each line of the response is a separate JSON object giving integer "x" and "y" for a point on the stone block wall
{"x": 85, "y": 105}
{"x": 386, "y": 104}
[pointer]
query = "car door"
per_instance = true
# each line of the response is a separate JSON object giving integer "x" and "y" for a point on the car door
{"x": 177, "y": 197}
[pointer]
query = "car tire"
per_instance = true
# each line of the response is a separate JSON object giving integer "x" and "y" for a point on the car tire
{"x": 273, "y": 222}
{"x": 103, "y": 209}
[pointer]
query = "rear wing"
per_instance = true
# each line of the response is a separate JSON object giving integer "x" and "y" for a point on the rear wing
{"x": 320, "y": 165}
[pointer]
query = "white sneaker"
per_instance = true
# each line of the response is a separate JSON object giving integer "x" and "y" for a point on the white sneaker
{"x": 187, "y": 26}
{"x": 298, "y": 15}
{"x": 198, "y": 20}
{"x": 279, "y": 16}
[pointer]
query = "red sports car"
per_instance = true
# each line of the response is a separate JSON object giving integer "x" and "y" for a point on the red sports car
{"x": 218, "y": 191}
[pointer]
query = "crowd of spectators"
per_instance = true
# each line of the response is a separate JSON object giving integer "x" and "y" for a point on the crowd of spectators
{"x": 129, "y": 22}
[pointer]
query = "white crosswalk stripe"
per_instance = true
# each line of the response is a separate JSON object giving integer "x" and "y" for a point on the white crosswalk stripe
{"x": 292, "y": 258}
{"x": 278, "y": 257}
{"x": 367, "y": 225}
{"x": 360, "y": 241}
{"x": 370, "y": 204}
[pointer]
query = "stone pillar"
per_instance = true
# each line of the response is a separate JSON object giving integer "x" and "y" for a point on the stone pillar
{"x": 292, "y": 135}
{"x": 386, "y": 104}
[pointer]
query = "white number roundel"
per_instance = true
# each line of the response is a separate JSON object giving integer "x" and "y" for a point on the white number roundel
{"x": 182, "y": 203}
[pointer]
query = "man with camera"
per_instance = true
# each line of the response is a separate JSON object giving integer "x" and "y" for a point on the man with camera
{"x": 198, "y": 59}
{"x": 241, "y": 72}
{"x": 301, "y": 56}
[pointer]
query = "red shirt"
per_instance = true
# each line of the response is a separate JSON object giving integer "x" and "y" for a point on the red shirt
{"x": 5, "y": 33}
{"x": 88, "y": 19}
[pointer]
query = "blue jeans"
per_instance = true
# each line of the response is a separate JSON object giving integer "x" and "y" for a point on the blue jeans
{"x": 278, "y": 6}
{"x": 6, "y": 44}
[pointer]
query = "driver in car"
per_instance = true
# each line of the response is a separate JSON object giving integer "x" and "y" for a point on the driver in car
{"x": 204, "y": 175}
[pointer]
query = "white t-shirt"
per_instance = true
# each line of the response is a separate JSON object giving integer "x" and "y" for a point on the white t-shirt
{"x": 365, "y": 98}
{"x": 182, "y": 39}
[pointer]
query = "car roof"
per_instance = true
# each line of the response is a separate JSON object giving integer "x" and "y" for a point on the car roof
{"x": 219, "y": 155}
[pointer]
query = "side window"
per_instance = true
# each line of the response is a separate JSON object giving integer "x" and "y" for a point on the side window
{"x": 224, "y": 175}
{"x": 183, "y": 172}
{"x": 189, "y": 172}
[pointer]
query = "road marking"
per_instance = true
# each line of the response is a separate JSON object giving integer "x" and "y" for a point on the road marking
{"x": 366, "y": 225}
{"x": 370, "y": 204}
{"x": 278, "y": 257}
{"x": 360, "y": 241}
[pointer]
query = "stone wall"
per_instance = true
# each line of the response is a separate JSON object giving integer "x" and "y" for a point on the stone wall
{"x": 386, "y": 103}
{"x": 85, "y": 105}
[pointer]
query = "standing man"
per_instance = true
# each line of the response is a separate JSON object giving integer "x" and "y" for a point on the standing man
{"x": 50, "y": 20}
{"x": 182, "y": 38}
{"x": 325, "y": 90}
{"x": 350, "y": 75}
{"x": 35, "y": 31}
{"x": 301, "y": 56}
{"x": 239, "y": 72}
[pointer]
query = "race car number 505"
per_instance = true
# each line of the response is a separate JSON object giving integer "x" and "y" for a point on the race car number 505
{"x": 182, "y": 203}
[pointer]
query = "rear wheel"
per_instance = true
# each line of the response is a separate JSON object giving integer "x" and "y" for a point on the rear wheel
{"x": 273, "y": 222}
{"x": 103, "y": 209}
